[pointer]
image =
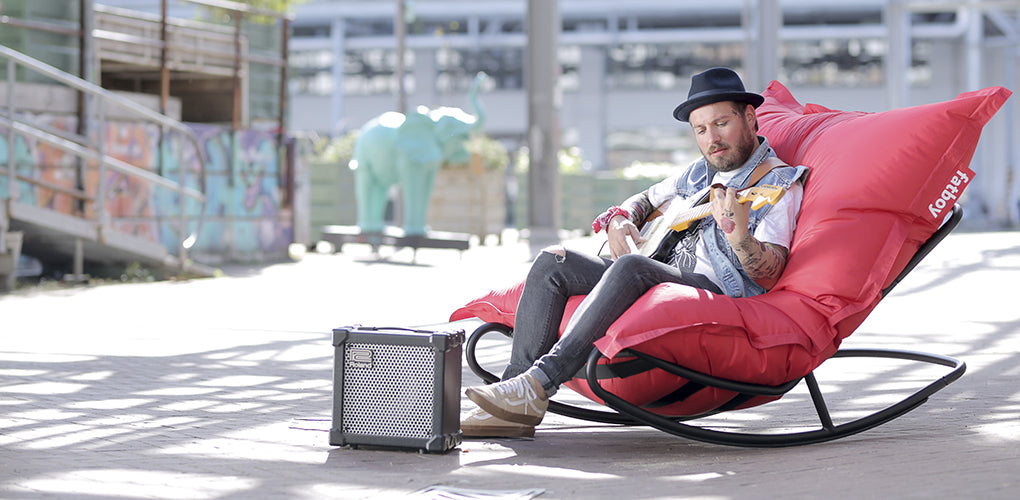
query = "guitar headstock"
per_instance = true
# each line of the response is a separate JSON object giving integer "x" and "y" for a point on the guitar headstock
{"x": 760, "y": 195}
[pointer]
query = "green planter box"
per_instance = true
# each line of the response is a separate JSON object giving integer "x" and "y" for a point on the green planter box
{"x": 331, "y": 197}
{"x": 583, "y": 197}
{"x": 466, "y": 200}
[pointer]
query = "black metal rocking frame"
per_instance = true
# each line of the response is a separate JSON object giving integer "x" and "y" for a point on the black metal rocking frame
{"x": 630, "y": 414}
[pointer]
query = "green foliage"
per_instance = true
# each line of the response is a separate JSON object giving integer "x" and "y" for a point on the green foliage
{"x": 336, "y": 150}
{"x": 571, "y": 161}
{"x": 279, "y": 6}
{"x": 137, "y": 273}
{"x": 341, "y": 150}
{"x": 494, "y": 154}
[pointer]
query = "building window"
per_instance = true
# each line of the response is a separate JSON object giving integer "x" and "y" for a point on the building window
{"x": 373, "y": 71}
{"x": 569, "y": 57}
{"x": 856, "y": 62}
{"x": 834, "y": 62}
{"x": 311, "y": 72}
{"x": 456, "y": 68}
{"x": 642, "y": 66}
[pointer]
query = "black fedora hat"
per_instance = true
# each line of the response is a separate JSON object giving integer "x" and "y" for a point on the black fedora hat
{"x": 715, "y": 85}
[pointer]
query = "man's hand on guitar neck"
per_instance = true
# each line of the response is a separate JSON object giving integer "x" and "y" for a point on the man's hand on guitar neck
{"x": 763, "y": 262}
{"x": 730, "y": 214}
{"x": 620, "y": 228}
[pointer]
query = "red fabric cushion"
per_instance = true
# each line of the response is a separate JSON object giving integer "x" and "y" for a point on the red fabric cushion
{"x": 880, "y": 184}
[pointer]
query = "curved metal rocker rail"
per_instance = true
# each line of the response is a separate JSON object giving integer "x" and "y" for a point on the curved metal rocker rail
{"x": 828, "y": 431}
{"x": 629, "y": 414}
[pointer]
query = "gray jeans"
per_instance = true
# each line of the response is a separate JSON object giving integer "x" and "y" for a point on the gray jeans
{"x": 611, "y": 288}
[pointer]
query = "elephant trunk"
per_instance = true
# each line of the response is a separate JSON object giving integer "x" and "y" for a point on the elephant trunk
{"x": 479, "y": 124}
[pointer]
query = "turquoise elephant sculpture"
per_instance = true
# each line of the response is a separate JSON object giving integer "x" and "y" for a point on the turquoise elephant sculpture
{"x": 407, "y": 151}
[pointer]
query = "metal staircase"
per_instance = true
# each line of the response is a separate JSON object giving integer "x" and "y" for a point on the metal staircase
{"x": 87, "y": 230}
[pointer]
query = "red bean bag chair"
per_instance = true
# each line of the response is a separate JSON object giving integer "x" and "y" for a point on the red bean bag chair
{"x": 880, "y": 185}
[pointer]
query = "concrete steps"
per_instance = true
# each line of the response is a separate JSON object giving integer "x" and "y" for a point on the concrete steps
{"x": 54, "y": 237}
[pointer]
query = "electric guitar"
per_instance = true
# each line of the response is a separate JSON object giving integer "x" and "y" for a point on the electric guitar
{"x": 664, "y": 227}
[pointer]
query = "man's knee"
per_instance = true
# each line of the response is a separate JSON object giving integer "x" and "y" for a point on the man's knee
{"x": 556, "y": 249}
{"x": 630, "y": 261}
{"x": 630, "y": 265}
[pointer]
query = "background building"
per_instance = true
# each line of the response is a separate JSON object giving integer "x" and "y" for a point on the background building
{"x": 131, "y": 136}
{"x": 197, "y": 162}
{"x": 625, "y": 65}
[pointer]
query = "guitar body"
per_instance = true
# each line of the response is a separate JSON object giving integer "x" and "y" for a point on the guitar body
{"x": 664, "y": 250}
{"x": 660, "y": 238}
{"x": 662, "y": 233}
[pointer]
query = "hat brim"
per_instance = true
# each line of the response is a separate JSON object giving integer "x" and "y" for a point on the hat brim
{"x": 683, "y": 111}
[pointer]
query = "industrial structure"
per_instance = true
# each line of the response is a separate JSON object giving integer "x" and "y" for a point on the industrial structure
{"x": 133, "y": 137}
{"x": 160, "y": 131}
{"x": 623, "y": 66}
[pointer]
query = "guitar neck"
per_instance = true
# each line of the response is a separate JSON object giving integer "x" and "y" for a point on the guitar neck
{"x": 684, "y": 219}
{"x": 760, "y": 195}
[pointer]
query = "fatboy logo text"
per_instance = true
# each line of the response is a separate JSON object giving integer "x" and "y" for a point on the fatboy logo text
{"x": 956, "y": 184}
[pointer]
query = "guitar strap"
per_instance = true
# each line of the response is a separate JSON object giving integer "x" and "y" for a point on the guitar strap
{"x": 763, "y": 168}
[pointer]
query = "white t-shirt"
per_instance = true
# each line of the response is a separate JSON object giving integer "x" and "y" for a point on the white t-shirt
{"x": 777, "y": 227}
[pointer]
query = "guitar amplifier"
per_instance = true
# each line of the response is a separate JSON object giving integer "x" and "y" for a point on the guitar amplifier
{"x": 396, "y": 387}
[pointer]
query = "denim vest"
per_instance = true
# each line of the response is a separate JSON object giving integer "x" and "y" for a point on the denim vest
{"x": 727, "y": 267}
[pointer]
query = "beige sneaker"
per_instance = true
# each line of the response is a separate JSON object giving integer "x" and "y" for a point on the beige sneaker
{"x": 479, "y": 423}
{"x": 520, "y": 399}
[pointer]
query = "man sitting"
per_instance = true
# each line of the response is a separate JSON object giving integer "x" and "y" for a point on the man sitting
{"x": 738, "y": 251}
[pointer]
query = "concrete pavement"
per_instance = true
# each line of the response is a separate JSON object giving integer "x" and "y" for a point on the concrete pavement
{"x": 221, "y": 388}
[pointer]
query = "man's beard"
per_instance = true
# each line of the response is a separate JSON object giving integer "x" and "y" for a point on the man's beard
{"x": 734, "y": 158}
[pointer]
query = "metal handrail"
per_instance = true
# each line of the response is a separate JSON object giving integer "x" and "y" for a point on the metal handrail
{"x": 44, "y": 26}
{"x": 94, "y": 152}
{"x": 88, "y": 154}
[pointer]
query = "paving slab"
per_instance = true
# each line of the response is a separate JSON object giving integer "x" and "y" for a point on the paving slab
{"x": 222, "y": 388}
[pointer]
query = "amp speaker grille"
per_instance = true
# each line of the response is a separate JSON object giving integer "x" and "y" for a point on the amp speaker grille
{"x": 388, "y": 390}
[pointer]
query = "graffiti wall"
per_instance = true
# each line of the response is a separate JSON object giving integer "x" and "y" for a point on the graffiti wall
{"x": 242, "y": 220}
{"x": 244, "y": 217}
{"x": 44, "y": 163}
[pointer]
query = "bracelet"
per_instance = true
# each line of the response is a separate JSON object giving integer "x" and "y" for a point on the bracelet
{"x": 602, "y": 221}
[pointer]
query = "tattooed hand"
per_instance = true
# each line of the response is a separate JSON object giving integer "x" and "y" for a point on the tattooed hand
{"x": 731, "y": 215}
{"x": 763, "y": 262}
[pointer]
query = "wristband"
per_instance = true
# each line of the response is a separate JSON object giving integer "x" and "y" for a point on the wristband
{"x": 602, "y": 221}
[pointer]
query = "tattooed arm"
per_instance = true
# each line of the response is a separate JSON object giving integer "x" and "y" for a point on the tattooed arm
{"x": 763, "y": 262}
{"x": 640, "y": 207}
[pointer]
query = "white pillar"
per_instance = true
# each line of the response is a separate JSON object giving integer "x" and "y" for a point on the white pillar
{"x": 337, "y": 35}
{"x": 544, "y": 102}
{"x": 897, "y": 58}
{"x": 763, "y": 25}
{"x": 591, "y": 120}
